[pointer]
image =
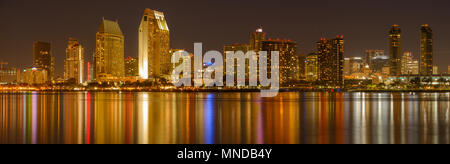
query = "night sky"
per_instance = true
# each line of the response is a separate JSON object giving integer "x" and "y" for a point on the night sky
{"x": 364, "y": 24}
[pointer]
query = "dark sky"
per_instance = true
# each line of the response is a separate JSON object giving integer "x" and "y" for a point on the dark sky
{"x": 363, "y": 23}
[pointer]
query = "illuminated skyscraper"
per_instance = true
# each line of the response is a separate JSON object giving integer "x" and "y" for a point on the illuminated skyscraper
{"x": 154, "y": 46}
{"x": 109, "y": 52}
{"x": 426, "y": 51}
{"x": 395, "y": 50}
{"x": 379, "y": 63}
{"x": 42, "y": 58}
{"x": 289, "y": 71}
{"x": 74, "y": 64}
{"x": 353, "y": 65}
{"x": 331, "y": 61}
{"x": 407, "y": 58}
{"x": 256, "y": 39}
{"x": 131, "y": 67}
{"x": 235, "y": 48}
{"x": 311, "y": 67}
{"x": 435, "y": 70}
{"x": 370, "y": 54}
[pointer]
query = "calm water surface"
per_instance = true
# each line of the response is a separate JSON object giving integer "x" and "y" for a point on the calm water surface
{"x": 224, "y": 118}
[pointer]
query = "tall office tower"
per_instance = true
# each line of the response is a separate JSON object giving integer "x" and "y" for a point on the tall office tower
{"x": 407, "y": 58}
{"x": 289, "y": 71}
{"x": 109, "y": 52}
{"x": 301, "y": 66}
{"x": 370, "y": 54}
{"x": 256, "y": 39}
{"x": 331, "y": 61}
{"x": 131, "y": 67}
{"x": 154, "y": 46}
{"x": 435, "y": 70}
{"x": 426, "y": 51}
{"x": 42, "y": 58}
{"x": 380, "y": 62}
{"x": 235, "y": 48}
{"x": 74, "y": 64}
{"x": 395, "y": 50}
{"x": 311, "y": 67}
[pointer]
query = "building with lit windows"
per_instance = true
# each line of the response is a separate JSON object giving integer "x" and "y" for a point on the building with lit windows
{"x": 74, "y": 64}
{"x": 426, "y": 51}
{"x": 370, "y": 54}
{"x": 154, "y": 46}
{"x": 311, "y": 67}
{"x": 409, "y": 65}
{"x": 33, "y": 76}
{"x": 235, "y": 48}
{"x": 42, "y": 58}
{"x": 9, "y": 75}
{"x": 109, "y": 52}
{"x": 256, "y": 39}
{"x": 289, "y": 71}
{"x": 131, "y": 67}
{"x": 395, "y": 50}
{"x": 331, "y": 61}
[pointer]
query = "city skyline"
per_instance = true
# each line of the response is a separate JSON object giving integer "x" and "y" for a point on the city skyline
{"x": 305, "y": 36}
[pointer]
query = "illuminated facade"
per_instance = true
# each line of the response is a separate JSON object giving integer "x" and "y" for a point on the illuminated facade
{"x": 426, "y": 51}
{"x": 311, "y": 67}
{"x": 435, "y": 70}
{"x": 235, "y": 48}
{"x": 289, "y": 71}
{"x": 256, "y": 39}
{"x": 379, "y": 63}
{"x": 42, "y": 58}
{"x": 34, "y": 76}
{"x": 409, "y": 65}
{"x": 154, "y": 46}
{"x": 331, "y": 61}
{"x": 9, "y": 75}
{"x": 370, "y": 54}
{"x": 395, "y": 50}
{"x": 74, "y": 64}
{"x": 131, "y": 67}
{"x": 353, "y": 65}
{"x": 109, "y": 52}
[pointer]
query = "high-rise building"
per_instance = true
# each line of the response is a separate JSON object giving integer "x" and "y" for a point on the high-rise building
{"x": 395, "y": 50}
{"x": 131, "y": 67}
{"x": 9, "y": 75}
{"x": 426, "y": 51}
{"x": 109, "y": 52}
{"x": 289, "y": 71}
{"x": 301, "y": 66}
{"x": 435, "y": 70}
{"x": 34, "y": 76}
{"x": 154, "y": 46}
{"x": 331, "y": 61}
{"x": 413, "y": 68}
{"x": 235, "y": 48}
{"x": 311, "y": 67}
{"x": 74, "y": 64}
{"x": 42, "y": 58}
{"x": 353, "y": 65}
{"x": 407, "y": 58}
{"x": 370, "y": 54}
{"x": 380, "y": 62}
{"x": 256, "y": 39}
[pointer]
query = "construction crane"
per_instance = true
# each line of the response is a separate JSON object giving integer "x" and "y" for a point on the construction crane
{"x": 1, "y": 69}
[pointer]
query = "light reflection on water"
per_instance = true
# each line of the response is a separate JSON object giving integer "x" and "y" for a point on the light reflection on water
{"x": 225, "y": 118}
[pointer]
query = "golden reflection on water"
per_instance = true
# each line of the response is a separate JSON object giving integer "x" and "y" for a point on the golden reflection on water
{"x": 225, "y": 118}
